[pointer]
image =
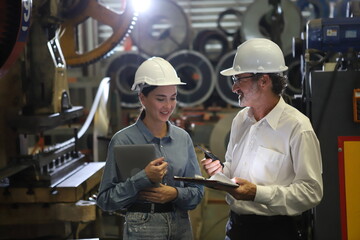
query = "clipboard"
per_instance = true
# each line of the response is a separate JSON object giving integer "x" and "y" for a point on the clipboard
{"x": 215, "y": 181}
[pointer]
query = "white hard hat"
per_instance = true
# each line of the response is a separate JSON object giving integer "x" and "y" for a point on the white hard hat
{"x": 257, "y": 55}
{"x": 155, "y": 71}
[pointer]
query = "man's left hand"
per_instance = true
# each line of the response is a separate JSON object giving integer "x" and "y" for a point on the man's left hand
{"x": 246, "y": 190}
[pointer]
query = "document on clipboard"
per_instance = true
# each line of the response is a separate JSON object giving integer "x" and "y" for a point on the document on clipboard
{"x": 219, "y": 179}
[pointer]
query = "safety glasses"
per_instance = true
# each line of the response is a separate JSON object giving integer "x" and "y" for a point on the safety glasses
{"x": 236, "y": 78}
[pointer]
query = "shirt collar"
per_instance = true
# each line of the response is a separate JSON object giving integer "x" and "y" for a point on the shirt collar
{"x": 273, "y": 117}
{"x": 148, "y": 135}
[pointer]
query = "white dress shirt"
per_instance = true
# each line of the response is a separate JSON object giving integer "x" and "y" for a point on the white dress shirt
{"x": 281, "y": 155}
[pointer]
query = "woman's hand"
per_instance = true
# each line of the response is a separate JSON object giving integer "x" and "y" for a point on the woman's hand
{"x": 156, "y": 170}
{"x": 161, "y": 194}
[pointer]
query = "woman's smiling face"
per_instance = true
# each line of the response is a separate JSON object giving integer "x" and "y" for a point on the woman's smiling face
{"x": 160, "y": 103}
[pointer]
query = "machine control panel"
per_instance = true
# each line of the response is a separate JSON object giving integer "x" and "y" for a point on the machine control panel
{"x": 333, "y": 34}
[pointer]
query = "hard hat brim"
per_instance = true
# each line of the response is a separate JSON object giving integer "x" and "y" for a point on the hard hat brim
{"x": 136, "y": 87}
{"x": 231, "y": 71}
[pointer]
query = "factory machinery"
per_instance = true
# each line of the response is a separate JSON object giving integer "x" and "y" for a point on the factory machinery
{"x": 48, "y": 188}
{"x": 329, "y": 51}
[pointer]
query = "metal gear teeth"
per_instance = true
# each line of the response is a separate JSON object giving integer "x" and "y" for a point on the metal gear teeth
{"x": 111, "y": 52}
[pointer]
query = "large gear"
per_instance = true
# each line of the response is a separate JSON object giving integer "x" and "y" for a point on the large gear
{"x": 121, "y": 24}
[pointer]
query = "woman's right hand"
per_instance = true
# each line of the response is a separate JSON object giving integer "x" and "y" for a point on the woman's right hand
{"x": 156, "y": 170}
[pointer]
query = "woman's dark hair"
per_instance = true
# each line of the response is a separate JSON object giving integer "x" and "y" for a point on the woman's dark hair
{"x": 145, "y": 91}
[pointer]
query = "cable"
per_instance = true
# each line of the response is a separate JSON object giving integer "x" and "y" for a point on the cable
{"x": 331, "y": 87}
{"x": 103, "y": 88}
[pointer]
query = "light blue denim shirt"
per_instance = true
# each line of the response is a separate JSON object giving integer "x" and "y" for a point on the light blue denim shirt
{"x": 178, "y": 150}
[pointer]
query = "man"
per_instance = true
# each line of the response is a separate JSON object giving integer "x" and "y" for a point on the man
{"x": 273, "y": 152}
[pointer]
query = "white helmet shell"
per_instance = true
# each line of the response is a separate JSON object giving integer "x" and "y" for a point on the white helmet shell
{"x": 257, "y": 55}
{"x": 155, "y": 71}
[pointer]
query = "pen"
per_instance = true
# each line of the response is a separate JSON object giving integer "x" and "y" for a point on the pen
{"x": 209, "y": 154}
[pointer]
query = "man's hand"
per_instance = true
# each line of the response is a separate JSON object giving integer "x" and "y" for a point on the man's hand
{"x": 156, "y": 170}
{"x": 211, "y": 167}
{"x": 245, "y": 191}
{"x": 162, "y": 194}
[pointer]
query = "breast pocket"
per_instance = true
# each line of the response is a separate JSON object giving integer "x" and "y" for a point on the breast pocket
{"x": 266, "y": 166}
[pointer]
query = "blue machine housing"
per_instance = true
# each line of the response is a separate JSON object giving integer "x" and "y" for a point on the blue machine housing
{"x": 333, "y": 34}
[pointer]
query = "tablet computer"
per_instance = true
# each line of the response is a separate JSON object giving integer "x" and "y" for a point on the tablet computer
{"x": 131, "y": 159}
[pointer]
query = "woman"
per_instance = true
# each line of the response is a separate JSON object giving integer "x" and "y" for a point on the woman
{"x": 156, "y": 205}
